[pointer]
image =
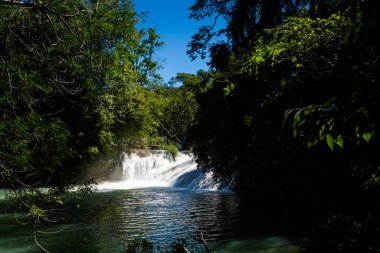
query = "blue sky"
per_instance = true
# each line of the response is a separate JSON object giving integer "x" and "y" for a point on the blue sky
{"x": 170, "y": 20}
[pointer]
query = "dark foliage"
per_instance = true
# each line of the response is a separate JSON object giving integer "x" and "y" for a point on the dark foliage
{"x": 290, "y": 117}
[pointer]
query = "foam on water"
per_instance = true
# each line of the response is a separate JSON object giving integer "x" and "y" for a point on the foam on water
{"x": 160, "y": 169}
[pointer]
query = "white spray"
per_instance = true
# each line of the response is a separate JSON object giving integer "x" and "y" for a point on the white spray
{"x": 159, "y": 168}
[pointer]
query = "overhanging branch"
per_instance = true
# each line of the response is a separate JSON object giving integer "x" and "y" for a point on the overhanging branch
{"x": 27, "y": 4}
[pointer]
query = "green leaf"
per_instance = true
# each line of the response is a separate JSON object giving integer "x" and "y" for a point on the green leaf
{"x": 339, "y": 141}
{"x": 259, "y": 59}
{"x": 367, "y": 137}
{"x": 322, "y": 130}
{"x": 330, "y": 141}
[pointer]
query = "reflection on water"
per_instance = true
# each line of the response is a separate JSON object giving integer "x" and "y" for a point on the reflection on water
{"x": 160, "y": 215}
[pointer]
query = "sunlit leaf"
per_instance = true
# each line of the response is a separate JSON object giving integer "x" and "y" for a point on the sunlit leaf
{"x": 339, "y": 141}
{"x": 367, "y": 137}
{"x": 330, "y": 141}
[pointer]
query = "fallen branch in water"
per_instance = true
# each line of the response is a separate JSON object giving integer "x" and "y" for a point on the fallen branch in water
{"x": 203, "y": 241}
{"x": 39, "y": 245}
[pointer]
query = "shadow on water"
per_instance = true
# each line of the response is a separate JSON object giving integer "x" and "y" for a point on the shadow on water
{"x": 262, "y": 245}
{"x": 160, "y": 215}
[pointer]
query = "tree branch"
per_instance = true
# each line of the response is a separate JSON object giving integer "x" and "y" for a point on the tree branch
{"x": 203, "y": 241}
{"x": 31, "y": 4}
{"x": 39, "y": 245}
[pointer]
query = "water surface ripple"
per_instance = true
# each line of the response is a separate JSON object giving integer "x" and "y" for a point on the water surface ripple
{"x": 160, "y": 215}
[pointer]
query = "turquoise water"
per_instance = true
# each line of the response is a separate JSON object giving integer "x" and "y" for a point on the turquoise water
{"x": 160, "y": 215}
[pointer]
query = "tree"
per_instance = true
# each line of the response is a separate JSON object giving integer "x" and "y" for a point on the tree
{"x": 65, "y": 68}
{"x": 245, "y": 20}
{"x": 290, "y": 120}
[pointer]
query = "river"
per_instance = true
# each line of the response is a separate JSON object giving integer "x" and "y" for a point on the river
{"x": 159, "y": 214}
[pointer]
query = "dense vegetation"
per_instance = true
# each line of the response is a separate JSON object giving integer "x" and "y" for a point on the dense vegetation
{"x": 291, "y": 113}
{"x": 288, "y": 115}
{"x": 78, "y": 81}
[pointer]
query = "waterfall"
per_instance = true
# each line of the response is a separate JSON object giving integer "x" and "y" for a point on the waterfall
{"x": 159, "y": 168}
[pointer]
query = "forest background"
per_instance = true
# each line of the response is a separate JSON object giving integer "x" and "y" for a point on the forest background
{"x": 288, "y": 111}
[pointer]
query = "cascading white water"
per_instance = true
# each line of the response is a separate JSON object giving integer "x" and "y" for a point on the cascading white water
{"x": 159, "y": 168}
